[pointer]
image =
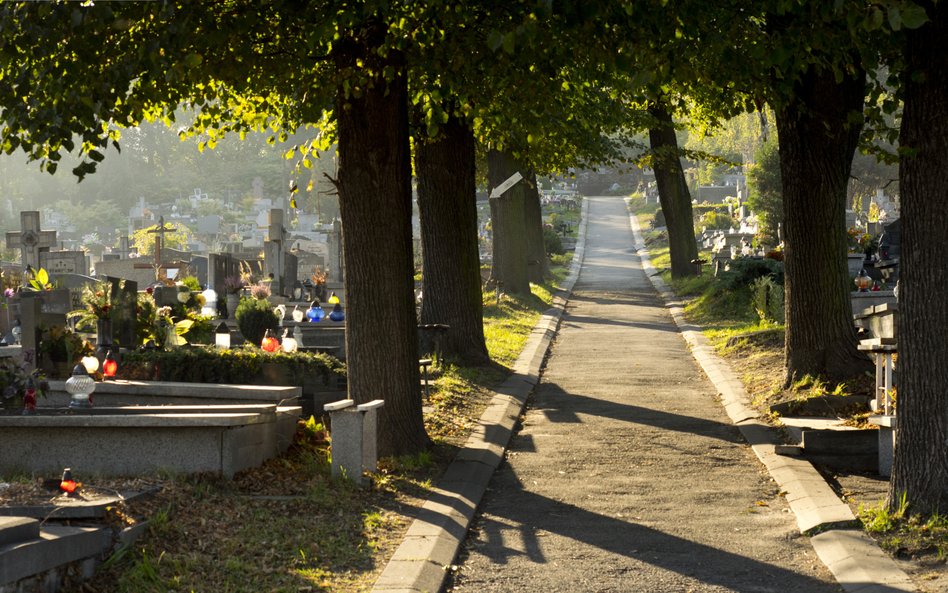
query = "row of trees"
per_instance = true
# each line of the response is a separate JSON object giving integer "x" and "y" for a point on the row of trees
{"x": 543, "y": 86}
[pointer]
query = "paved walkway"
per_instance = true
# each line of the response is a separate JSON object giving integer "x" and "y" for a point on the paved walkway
{"x": 626, "y": 474}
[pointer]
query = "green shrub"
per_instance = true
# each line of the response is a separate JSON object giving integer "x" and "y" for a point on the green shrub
{"x": 196, "y": 364}
{"x": 552, "y": 242}
{"x": 715, "y": 220}
{"x": 254, "y": 318}
{"x": 743, "y": 271}
{"x": 767, "y": 296}
{"x": 202, "y": 330}
{"x": 193, "y": 284}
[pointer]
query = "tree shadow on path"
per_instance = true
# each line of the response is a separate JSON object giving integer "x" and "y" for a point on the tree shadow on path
{"x": 559, "y": 405}
{"x": 633, "y": 543}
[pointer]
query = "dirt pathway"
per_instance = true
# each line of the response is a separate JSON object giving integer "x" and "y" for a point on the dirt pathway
{"x": 626, "y": 474}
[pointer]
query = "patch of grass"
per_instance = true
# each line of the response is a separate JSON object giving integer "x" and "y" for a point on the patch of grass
{"x": 508, "y": 323}
{"x": 905, "y": 534}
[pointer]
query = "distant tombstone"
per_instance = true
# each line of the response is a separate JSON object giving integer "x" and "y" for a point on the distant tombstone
{"x": 198, "y": 267}
{"x": 209, "y": 225}
{"x": 64, "y": 262}
{"x": 74, "y": 283}
{"x": 257, "y": 186}
{"x": 56, "y": 302}
{"x": 335, "y": 264}
{"x": 274, "y": 253}
{"x": 891, "y": 241}
{"x": 124, "y": 298}
{"x": 166, "y": 296}
{"x": 850, "y": 219}
{"x": 30, "y": 319}
{"x": 30, "y": 240}
{"x": 124, "y": 251}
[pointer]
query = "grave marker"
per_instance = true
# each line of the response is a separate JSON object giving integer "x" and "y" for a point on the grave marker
{"x": 30, "y": 240}
{"x": 64, "y": 262}
{"x": 124, "y": 299}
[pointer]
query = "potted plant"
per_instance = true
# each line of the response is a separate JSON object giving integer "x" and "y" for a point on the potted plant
{"x": 319, "y": 277}
{"x": 96, "y": 312}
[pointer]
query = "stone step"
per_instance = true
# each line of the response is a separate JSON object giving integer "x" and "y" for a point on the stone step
{"x": 14, "y": 530}
{"x": 854, "y": 450}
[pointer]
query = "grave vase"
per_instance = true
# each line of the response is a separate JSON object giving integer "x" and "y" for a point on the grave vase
{"x": 103, "y": 332}
{"x": 232, "y": 301}
{"x": 171, "y": 338}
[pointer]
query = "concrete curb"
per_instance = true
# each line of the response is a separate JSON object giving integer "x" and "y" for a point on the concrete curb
{"x": 422, "y": 561}
{"x": 857, "y": 563}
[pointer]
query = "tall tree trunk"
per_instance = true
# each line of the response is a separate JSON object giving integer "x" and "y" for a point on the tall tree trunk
{"x": 673, "y": 193}
{"x": 817, "y": 137}
{"x": 533, "y": 219}
{"x": 451, "y": 272}
{"x": 509, "y": 265}
{"x": 921, "y": 457}
{"x": 375, "y": 202}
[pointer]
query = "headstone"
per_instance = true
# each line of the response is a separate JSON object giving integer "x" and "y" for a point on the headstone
{"x": 30, "y": 318}
{"x": 850, "y": 219}
{"x": 30, "y": 240}
{"x": 56, "y": 302}
{"x": 335, "y": 263}
{"x": 274, "y": 260}
{"x": 64, "y": 262}
{"x": 124, "y": 298}
{"x": 124, "y": 251}
{"x": 891, "y": 240}
{"x": 74, "y": 283}
{"x": 166, "y": 296}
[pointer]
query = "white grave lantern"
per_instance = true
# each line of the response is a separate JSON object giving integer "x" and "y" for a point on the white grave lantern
{"x": 209, "y": 309}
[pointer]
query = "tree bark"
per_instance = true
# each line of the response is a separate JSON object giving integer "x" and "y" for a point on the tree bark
{"x": 375, "y": 201}
{"x": 921, "y": 456}
{"x": 509, "y": 264}
{"x": 673, "y": 194}
{"x": 817, "y": 134}
{"x": 451, "y": 273}
{"x": 537, "y": 267}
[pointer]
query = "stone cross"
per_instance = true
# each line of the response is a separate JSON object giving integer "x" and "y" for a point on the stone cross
{"x": 336, "y": 263}
{"x": 31, "y": 240}
{"x": 275, "y": 251}
{"x": 160, "y": 239}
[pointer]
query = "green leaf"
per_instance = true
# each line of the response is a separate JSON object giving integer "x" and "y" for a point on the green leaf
{"x": 895, "y": 19}
{"x": 96, "y": 156}
{"x": 914, "y": 16}
{"x": 875, "y": 19}
{"x": 509, "y": 43}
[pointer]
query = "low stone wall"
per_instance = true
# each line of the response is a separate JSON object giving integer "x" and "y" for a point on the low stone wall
{"x": 139, "y": 440}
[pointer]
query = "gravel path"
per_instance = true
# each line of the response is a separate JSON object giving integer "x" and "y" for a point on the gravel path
{"x": 626, "y": 474}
